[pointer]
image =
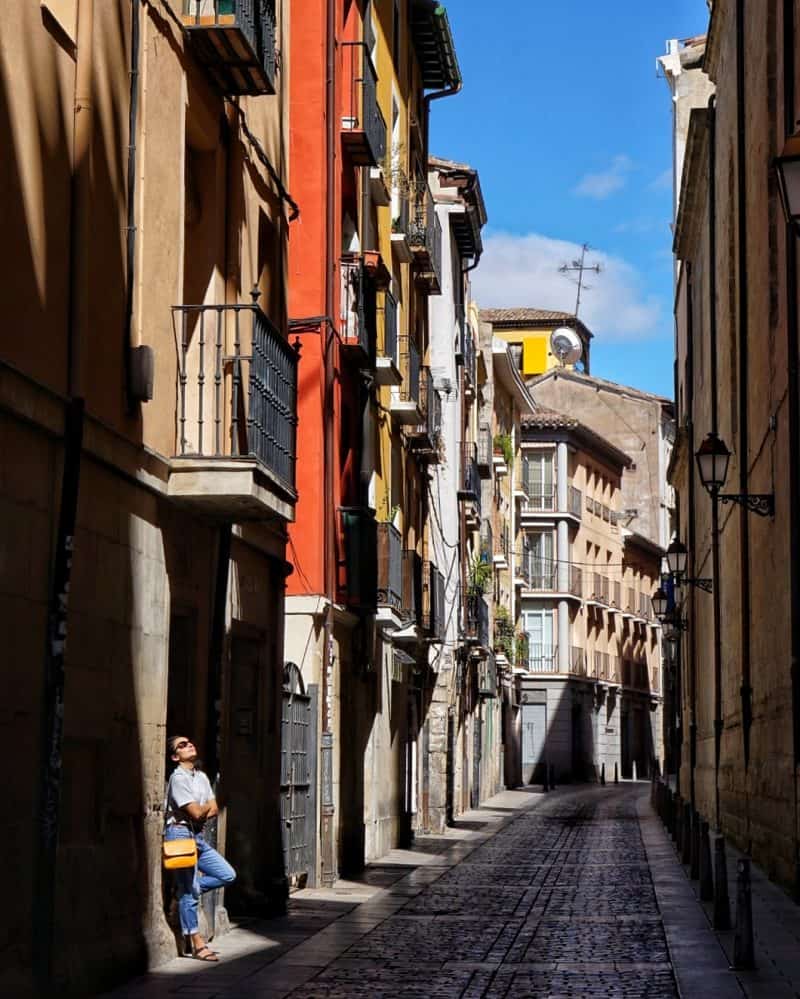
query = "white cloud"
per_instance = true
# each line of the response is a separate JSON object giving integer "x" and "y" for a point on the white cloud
{"x": 522, "y": 271}
{"x": 663, "y": 182}
{"x": 602, "y": 185}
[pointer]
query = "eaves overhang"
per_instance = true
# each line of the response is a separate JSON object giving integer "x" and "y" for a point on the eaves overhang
{"x": 433, "y": 41}
{"x": 509, "y": 376}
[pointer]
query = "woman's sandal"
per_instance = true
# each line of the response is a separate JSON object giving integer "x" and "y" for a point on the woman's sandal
{"x": 205, "y": 954}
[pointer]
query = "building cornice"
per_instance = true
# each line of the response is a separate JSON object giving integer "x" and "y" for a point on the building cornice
{"x": 692, "y": 197}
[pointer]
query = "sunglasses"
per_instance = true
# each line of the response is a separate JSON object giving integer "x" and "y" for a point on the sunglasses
{"x": 183, "y": 744}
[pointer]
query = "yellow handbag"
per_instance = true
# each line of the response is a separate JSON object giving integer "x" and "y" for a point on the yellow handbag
{"x": 179, "y": 853}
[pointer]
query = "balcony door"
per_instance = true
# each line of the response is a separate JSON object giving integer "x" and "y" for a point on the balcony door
{"x": 539, "y": 554}
{"x": 539, "y": 478}
{"x": 538, "y": 626}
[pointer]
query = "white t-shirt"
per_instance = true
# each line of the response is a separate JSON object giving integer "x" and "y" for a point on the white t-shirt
{"x": 185, "y": 786}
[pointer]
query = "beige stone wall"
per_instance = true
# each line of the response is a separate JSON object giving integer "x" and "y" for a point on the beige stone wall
{"x": 756, "y": 803}
{"x": 137, "y": 558}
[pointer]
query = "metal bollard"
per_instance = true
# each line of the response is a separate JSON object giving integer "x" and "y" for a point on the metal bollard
{"x": 722, "y": 906}
{"x": 743, "y": 951}
{"x": 635, "y": 771}
{"x": 706, "y": 873}
{"x": 616, "y": 772}
{"x": 686, "y": 834}
{"x": 546, "y": 786}
{"x": 552, "y": 776}
{"x": 694, "y": 857}
{"x": 602, "y": 775}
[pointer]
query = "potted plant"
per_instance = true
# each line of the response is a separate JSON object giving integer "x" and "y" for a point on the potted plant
{"x": 504, "y": 448}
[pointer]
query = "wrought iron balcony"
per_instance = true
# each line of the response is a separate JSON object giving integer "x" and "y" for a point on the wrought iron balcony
{"x": 538, "y": 499}
{"x": 387, "y": 363}
{"x": 412, "y": 587}
{"x": 542, "y": 658}
{"x": 433, "y": 604}
{"x": 475, "y": 616}
{"x": 541, "y": 574}
{"x": 487, "y": 541}
{"x": 470, "y": 363}
{"x": 400, "y": 215}
{"x": 424, "y": 439}
{"x": 358, "y": 577}
{"x": 470, "y": 482}
{"x": 504, "y": 637}
{"x": 236, "y": 426}
{"x": 405, "y": 401}
{"x": 425, "y": 237}
{"x": 485, "y": 451}
{"x": 363, "y": 124}
{"x": 502, "y": 545}
{"x": 235, "y": 41}
{"x": 390, "y": 567}
{"x": 487, "y": 677}
{"x": 576, "y": 581}
{"x": 357, "y": 311}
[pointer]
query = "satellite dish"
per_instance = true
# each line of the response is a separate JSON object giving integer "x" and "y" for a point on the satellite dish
{"x": 566, "y": 345}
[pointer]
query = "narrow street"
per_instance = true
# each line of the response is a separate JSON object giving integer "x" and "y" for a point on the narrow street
{"x": 574, "y": 893}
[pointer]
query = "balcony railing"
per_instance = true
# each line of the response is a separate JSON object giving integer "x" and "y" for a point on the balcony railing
{"x": 542, "y": 573}
{"x": 600, "y": 588}
{"x": 487, "y": 677}
{"x": 412, "y": 586}
{"x": 631, "y": 601}
{"x": 504, "y": 638}
{"x": 542, "y": 658}
{"x": 476, "y": 616}
{"x": 409, "y": 368}
{"x": 389, "y": 348}
{"x": 461, "y": 322}
{"x": 363, "y": 124}
{"x": 425, "y": 235}
{"x": 644, "y": 606}
{"x": 485, "y": 450}
{"x": 470, "y": 481}
{"x": 424, "y": 439}
{"x": 613, "y": 667}
{"x": 359, "y": 581}
{"x": 575, "y": 502}
{"x": 235, "y": 41}
{"x": 576, "y": 581}
{"x": 237, "y": 388}
{"x": 487, "y": 541}
{"x": 433, "y": 605}
{"x": 470, "y": 361}
{"x": 538, "y": 500}
{"x": 357, "y": 309}
{"x": 616, "y": 595}
{"x": 390, "y": 567}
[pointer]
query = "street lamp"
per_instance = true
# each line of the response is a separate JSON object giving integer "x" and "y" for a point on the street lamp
{"x": 787, "y": 166}
{"x": 660, "y": 602}
{"x": 677, "y": 558}
{"x": 713, "y": 458}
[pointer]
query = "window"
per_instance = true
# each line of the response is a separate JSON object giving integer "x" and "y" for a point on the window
{"x": 539, "y": 478}
{"x": 539, "y": 552}
{"x": 538, "y": 626}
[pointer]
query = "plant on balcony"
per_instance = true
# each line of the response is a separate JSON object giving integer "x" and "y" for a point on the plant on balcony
{"x": 503, "y": 446}
{"x": 503, "y": 633}
{"x": 479, "y": 574}
{"x": 522, "y": 648}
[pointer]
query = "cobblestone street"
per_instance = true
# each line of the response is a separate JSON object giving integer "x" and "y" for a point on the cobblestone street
{"x": 575, "y": 893}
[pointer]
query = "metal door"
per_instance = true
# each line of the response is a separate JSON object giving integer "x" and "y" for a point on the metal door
{"x": 477, "y": 726}
{"x": 297, "y": 770}
{"x": 534, "y": 729}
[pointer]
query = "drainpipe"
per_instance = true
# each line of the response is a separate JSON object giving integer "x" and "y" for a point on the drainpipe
{"x": 48, "y": 815}
{"x": 691, "y": 538}
{"x": 130, "y": 236}
{"x": 716, "y": 595}
{"x": 328, "y": 853}
{"x": 789, "y": 41}
{"x": 743, "y": 449}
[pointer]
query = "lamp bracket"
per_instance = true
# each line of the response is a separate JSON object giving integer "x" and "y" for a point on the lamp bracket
{"x": 761, "y": 503}
{"x": 702, "y": 583}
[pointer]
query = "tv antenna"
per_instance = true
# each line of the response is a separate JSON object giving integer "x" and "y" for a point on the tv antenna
{"x": 580, "y": 267}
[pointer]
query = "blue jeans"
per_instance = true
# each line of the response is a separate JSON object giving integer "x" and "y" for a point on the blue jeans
{"x": 212, "y": 871}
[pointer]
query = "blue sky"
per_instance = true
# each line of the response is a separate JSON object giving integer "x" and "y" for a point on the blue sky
{"x": 564, "y": 117}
